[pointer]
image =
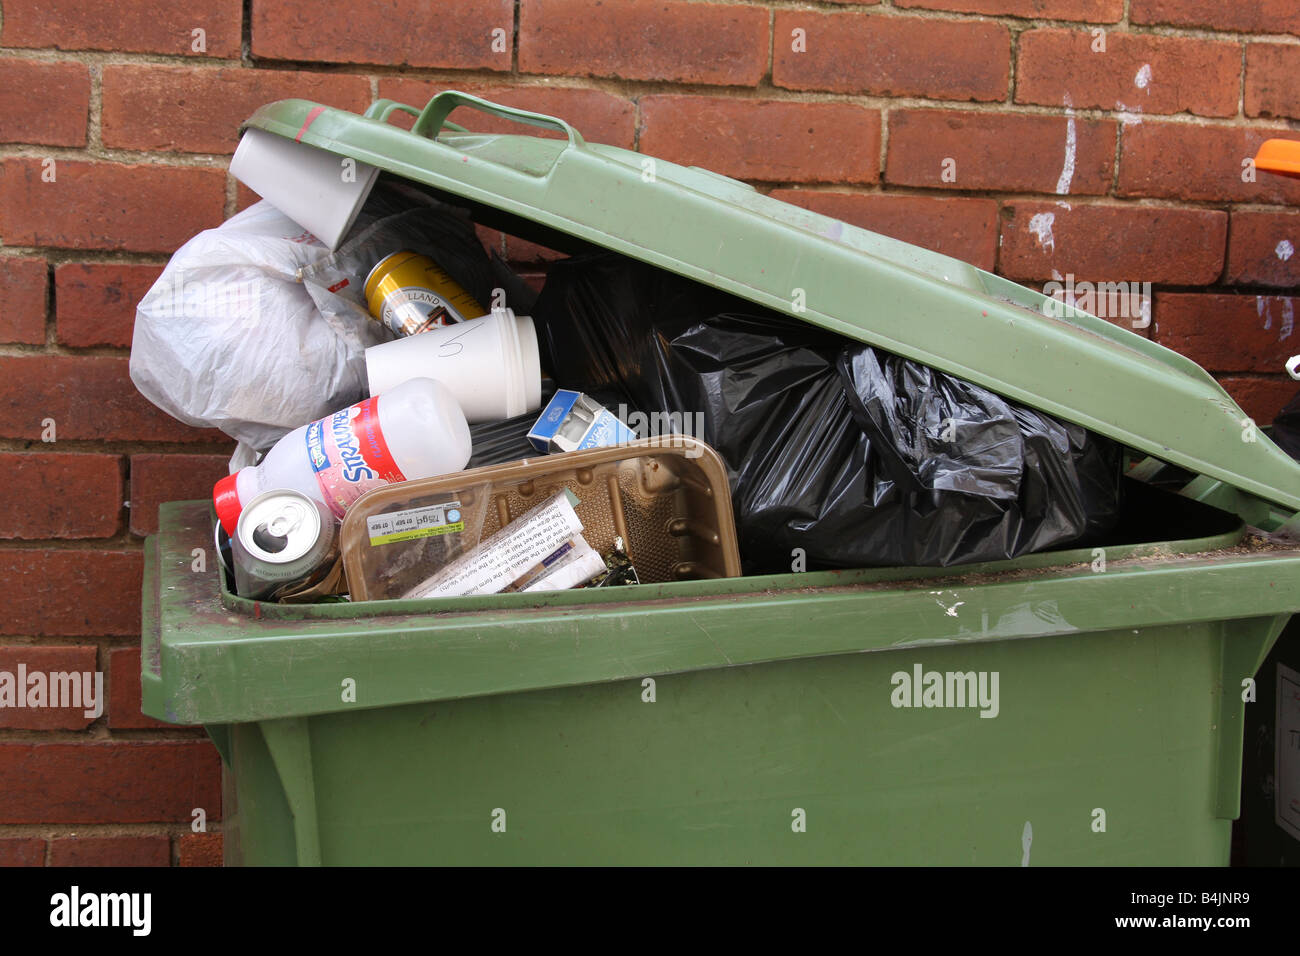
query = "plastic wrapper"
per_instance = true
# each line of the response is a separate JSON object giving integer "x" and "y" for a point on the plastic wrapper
{"x": 228, "y": 338}
{"x": 838, "y": 454}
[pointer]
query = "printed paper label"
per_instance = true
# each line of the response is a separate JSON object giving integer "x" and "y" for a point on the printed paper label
{"x": 415, "y": 523}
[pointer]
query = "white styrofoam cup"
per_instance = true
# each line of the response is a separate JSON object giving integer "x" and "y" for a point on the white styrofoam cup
{"x": 491, "y": 364}
{"x": 319, "y": 190}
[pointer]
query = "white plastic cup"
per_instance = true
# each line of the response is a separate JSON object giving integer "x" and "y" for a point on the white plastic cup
{"x": 491, "y": 364}
{"x": 319, "y": 190}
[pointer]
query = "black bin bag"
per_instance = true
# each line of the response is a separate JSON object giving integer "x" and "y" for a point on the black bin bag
{"x": 839, "y": 454}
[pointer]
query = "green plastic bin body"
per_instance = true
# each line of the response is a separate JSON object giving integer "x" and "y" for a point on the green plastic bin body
{"x": 746, "y": 721}
{"x": 783, "y": 719}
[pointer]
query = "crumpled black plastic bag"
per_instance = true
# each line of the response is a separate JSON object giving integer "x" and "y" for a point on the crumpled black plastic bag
{"x": 856, "y": 456}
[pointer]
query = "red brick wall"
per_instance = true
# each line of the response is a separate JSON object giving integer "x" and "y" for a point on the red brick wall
{"x": 851, "y": 107}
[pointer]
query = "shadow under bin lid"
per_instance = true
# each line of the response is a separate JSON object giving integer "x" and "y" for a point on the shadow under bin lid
{"x": 904, "y": 299}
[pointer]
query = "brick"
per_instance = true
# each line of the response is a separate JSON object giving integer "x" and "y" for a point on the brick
{"x": 599, "y": 116}
{"x": 47, "y": 661}
{"x": 1137, "y": 73}
{"x": 1112, "y": 243}
{"x": 87, "y": 397}
{"x": 75, "y": 593}
{"x": 768, "y": 140}
{"x": 144, "y": 208}
{"x": 1246, "y": 16}
{"x": 1259, "y": 398}
{"x": 200, "y": 849}
{"x": 1182, "y": 161}
{"x": 110, "y": 782}
{"x": 124, "y": 692}
{"x": 493, "y": 240}
{"x": 199, "y": 111}
{"x": 522, "y": 252}
{"x": 22, "y": 290}
{"x": 451, "y": 35}
{"x": 43, "y": 103}
{"x": 1264, "y": 249}
{"x": 893, "y": 56}
{"x": 965, "y": 229}
{"x": 125, "y": 26}
{"x": 111, "y": 851}
{"x": 22, "y": 851}
{"x": 535, "y": 280}
{"x": 159, "y": 478}
{"x": 95, "y": 302}
{"x": 717, "y": 44}
{"x": 1000, "y": 151}
{"x": 1228, "y": 333}
{"x": 53, "y": 495}
{"x": 1271, "y": 87}
{"x": 244, "y": 197}
{"x": 1087, "y": 11}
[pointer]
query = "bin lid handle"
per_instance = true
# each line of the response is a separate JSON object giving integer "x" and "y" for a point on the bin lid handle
{"x": 382, "y": 109}
{"x": 434, "y": 116}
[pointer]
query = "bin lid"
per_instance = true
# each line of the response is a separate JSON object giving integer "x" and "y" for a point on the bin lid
{"x": 925, "y": 306}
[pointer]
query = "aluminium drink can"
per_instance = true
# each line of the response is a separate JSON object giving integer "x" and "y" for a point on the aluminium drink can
{"x": 282, "y": 538}
{"x": 409, "y": 293}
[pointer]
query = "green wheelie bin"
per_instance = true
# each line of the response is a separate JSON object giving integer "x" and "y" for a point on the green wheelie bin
{"x": 1088, "y": 704}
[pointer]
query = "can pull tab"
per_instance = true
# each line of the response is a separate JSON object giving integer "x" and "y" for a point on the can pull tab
{"x": 273, "y": 536}
{"x": 1293, "y": 367}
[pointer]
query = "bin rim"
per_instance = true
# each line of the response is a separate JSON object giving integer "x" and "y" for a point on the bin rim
{"x": 927, "y": 307}
{"x": 203, "y": 661}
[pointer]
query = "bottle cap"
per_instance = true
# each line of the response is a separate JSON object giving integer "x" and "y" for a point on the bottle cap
{"x": 225, "y": 498}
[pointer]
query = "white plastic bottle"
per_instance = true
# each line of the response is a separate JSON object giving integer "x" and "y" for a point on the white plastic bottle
{"x": 416, "y": 430}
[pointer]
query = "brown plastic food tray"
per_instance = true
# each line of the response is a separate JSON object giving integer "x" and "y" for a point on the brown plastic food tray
{"x": 667, "y": 498}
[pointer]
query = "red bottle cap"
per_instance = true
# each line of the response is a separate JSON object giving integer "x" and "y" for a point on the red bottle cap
{"x": 225, "y": 498}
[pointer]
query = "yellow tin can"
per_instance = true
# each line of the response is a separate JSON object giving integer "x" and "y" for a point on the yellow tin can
{"x": 409, "y": 293}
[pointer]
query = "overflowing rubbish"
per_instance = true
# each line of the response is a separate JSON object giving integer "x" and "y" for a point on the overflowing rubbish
{"x": 356, "y": 340}
{"x": 256, "y": 328}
